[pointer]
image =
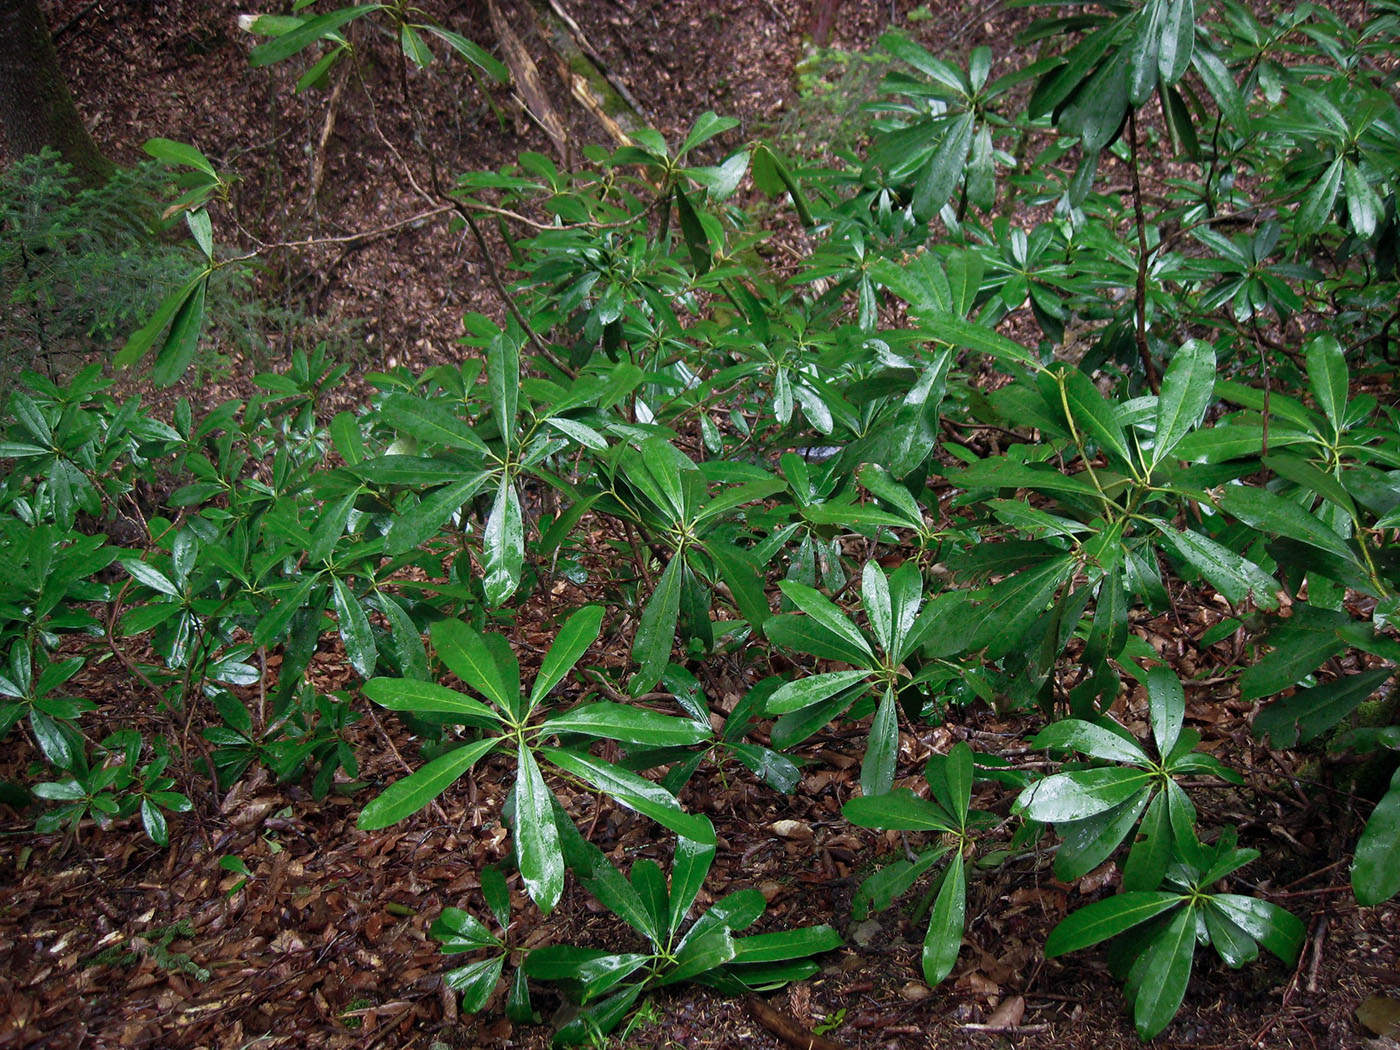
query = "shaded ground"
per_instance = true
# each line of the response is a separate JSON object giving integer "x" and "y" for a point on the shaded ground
{"x": 109, "y": 941}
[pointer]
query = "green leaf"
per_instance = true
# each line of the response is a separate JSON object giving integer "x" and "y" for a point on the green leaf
{"x": 578, "y": 633}
{"x": 900, "y": 810}
{"x": 1276, "y": 929}
{"x": 1316, "y": 206}
{"x": 632, "y": 725}
{"x": 414, "y": 47}
{"x": 786, "y": 944}
{"x": 306, "y": 34}
{"x": 697, "y": 242}
{"x": 429, "y": 421}
{"x": 1328, "y": 378}
{"x": 1161, "y": 972}
{"x": 459, "y": 931}
{"x": 1166, "y": 707}
{"x": 354, "y": 629}
{"x": 945, "y": 166}
{"x": 148, "y": 575}
{"x": 1187, "y": 387}
{"x": 1265, "y": 510}
{"x": 180, "y": 153}
{"x": 881, "y": 749}
{"x": 875, "y": 596}
{"x": 1078, "y": 735}
{"x": 945, "y": 925}
{"x": 420, "y": 523}
{"x": 144, "y": 337}
{"x": 691, "y": 865}
{"x": 472, "y": 52}
{"x": 1178, "y": 40}
{"x": 804, "y": 692}
{"x": 745, "y": 584}
{"x": 1092, "y": 412}
{"x": 466, "y": 655}
{"x": 475, "y": 981}
{"x": 1107, "y": 918}
{"x": 1151, "y": 851}
{"x": 503, "y": 545}
{"x": 428, "y": 698}
{"x": 634, "y": 792}
{"x": 600, "y": 878}
{"x": 656, "y": 632}
{"x": 1308, "y": 713}
{"x": 536, "y": 839}
{"x": 407, "y": 796}
{"x": 1375, "y": 870}
{"x": 699, "y": 955}
{"x": 1079, "y": 794}
{"x": 503, "y": 381}
{"x": 824, "y": 612}
{"x": 706, "y": 127}
{"x": 1234, "y": 576}
{"x": 1234, "y": 946}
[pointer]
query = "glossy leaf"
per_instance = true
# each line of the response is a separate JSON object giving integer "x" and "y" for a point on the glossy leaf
{"x": 536, "y": 839}
{"x": 407, "y": 796}
{"x": 945, "y": 926}
{"x": 1375, "y": 870}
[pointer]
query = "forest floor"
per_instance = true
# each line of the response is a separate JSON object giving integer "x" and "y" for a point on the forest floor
{"x": 108, "y": 941}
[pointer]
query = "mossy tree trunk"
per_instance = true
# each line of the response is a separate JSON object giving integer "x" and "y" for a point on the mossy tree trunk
{"x": 36, "y": 109}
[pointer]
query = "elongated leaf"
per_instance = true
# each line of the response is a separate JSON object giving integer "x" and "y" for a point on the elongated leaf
{"x": 1308, "y": 713}
{"x": 945, "y": 166}
{"x": 1150, "y": 853}
{"x": 1328, "y": 378}
{"x": 1186, "y": 393}
{"x": 1079, "y": 794}
{"x": 875, "y": 596}
{"x": 736, "y": 567}
{"x": 578, "y": 633}
{"x": 1316, "y": 206}
{"x": 691, "y": 865}
{"x": 149, "y": 575}
{"x": 804, "y": 692}
{"x": 144, "y": 337}
{"x": 1375, "y": 870}
{"x": 633, "y": 725}
{"x": 945, "y": 925}
{"x": 882, "y": 748}
{"x": 1093, "y": 413}
{"x": 177, "y": 352}
{"x": 1085, "y": 844}
{"x": 1158, "y": 978}
{"x": 503, "y": 545}
{"x": 900, "y": 810}
{"x": 634, "y": 792}
{"x": 429, "y": 421}
{"x": 428, "y": 698}
{"x": 422, "y": 522}
{"x": 1232, "y": 575}
{"x": 475, "y": 981}
{"x": 307, "y": 33}
{"x": 1262, "y": 509}
{"x": 706, "y": 127}
{"x": 466, "y": 655}
{"x": 1107, "y": 918}
{"x": 1166, "y": 707}
{"x": 536, "y": 839}
{"x": 458, "y": 931}
{"x": 821, "y": 609}
{"x": 656, "y": 632}
{"x": 1079, "y": 735}
{"x": 407, "y": 796}
{"x": 354, "y": 629}
{"x": 786, "y": 944}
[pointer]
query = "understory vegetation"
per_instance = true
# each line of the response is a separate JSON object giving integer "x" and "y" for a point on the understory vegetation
{"x": 930, "y": 423}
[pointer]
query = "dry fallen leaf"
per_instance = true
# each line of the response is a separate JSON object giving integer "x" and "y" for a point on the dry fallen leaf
{"x": 1380, "y": 1014}
{"x": 1008, "y": 1014}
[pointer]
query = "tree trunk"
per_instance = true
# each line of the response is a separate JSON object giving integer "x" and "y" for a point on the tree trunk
{"x": 36, "y": 109}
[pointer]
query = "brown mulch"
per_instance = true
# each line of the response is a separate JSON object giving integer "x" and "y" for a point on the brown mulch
{"x": 108, "y": 941}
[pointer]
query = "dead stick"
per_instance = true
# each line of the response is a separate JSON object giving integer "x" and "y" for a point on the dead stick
{"x": 788, "y": 1030}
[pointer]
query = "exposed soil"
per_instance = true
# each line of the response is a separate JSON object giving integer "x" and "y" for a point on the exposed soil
{"x": 326, "y": 945}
